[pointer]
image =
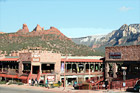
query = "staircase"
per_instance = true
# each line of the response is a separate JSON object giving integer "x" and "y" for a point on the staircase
{"x": 33, "y": 76}
{"x": 98, "y": 81}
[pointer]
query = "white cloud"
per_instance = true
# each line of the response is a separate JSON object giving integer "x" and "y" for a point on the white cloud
{"x": 124, "y": 8}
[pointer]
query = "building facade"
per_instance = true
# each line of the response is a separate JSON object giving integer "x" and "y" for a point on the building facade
{"x": 81, "y": 68}
{"x": 122, "y": 61}
{"x": 42, "y": 65}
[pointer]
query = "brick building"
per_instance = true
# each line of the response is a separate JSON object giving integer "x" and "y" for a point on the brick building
{"x": 122, "y": 61}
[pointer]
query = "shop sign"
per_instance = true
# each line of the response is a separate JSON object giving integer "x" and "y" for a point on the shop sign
{"x": 81, "y": 65}
{"x": 51, "y": 78}
{"x": 115, "y": 55}
{"x": 36, "y": 60}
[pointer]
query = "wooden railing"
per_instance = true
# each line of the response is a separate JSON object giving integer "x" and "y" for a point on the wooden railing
{"x": 119, "y": 84}
{"x": 116, "y": 84}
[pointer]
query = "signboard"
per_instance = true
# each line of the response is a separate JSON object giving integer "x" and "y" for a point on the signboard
{"x": 35, "y": 59}
{"x": 81, "y": 65}
{"x": 51, "y": 78}
{"x": 115, "y": 55}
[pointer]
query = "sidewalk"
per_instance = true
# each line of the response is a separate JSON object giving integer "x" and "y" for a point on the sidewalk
{"x": 61, "y": 89}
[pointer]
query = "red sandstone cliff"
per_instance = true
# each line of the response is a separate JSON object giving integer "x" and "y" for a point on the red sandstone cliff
{"x": 24, "y": 29}
{"x": 38, "y": 28}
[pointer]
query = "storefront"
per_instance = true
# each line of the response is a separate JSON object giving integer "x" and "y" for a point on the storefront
{"x": 122, "y": 62}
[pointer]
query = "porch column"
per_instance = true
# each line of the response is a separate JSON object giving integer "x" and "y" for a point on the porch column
{"x": 94, "y": 67}
{"x": 89, "y": 71}
{"x": 71, "y": 68}
{"x": 85, "y": 68}
{"x": 99, "y": 67}
{"x": 114, "y": 70}
{"x": 40, "y": 69}
{"x": 66, "y": 68}
{"x": 106, "y": 70}
{"x": 31, "y": 68}
{"x": 77, "y": 68}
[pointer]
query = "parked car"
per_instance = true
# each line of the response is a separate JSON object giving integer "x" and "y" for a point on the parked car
{"x": 137, "y": 86}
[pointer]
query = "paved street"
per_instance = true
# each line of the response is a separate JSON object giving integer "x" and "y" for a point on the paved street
{"x": 33, "y": 89}
{"x": 20, "y": 90}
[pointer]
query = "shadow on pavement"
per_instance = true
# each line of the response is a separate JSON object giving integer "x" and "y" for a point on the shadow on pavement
{"x": 131, "y": 90}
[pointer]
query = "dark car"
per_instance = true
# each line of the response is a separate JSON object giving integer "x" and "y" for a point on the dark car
{"x": 137, "y": 86}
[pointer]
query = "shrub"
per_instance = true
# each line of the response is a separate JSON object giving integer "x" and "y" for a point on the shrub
{"x": 2, "y": 82}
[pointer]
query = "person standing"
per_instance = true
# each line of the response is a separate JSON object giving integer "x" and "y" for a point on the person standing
{"x": 75, "y": 84}
{"x": 29, "y": 81}
{"x": 106, "y": 83}
{"x": 47, "y": 83}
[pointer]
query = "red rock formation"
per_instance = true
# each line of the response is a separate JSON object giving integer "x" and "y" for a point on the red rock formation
{"x": 37, "y": 28}
{"x": 42, "y": 28}
{"x": 24, "y": 29}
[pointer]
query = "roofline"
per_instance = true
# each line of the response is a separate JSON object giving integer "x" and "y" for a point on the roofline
{"x": 121, "y": 46}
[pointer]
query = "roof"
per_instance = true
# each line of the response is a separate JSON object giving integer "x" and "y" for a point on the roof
{"x": 81, "y": 60}
{"x": 81, "y": 57}
{"x": 9, "y": 59}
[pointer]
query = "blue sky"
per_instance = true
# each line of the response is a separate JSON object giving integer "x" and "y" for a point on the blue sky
{"x": 74, "y": 18}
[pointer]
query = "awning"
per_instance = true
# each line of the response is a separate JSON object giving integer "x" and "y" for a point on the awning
{"x": 9, "y": 59}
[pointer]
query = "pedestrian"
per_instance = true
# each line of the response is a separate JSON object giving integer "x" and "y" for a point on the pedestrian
{"x": 36, "y": 82}
{"x": 32, "y": 82}
{"x": 63, "y": 82}
{"x": 47, "y": 84}
{"x": 106, "y": 83}
{"x": 59, "y": 83}
{"x": 29, "y": 81}
{"x": 75, "y": 83}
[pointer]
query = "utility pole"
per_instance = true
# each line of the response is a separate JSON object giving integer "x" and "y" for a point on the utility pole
{"x": 64, "y": 72}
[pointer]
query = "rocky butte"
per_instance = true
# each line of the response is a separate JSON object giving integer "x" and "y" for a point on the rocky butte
{"x": 38, "y": 28}
{"x": 24, "y": 29}
{"x": 51, "y": 40}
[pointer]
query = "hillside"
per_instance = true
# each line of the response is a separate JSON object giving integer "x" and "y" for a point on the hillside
{"x": 123, "y": 36}
{"x": 51, "y": 40}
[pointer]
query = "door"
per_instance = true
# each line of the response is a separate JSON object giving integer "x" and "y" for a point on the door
{"x": 35, "y": 69}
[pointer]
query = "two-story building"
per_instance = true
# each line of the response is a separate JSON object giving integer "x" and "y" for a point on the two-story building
{"x": 41, "y": 65}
